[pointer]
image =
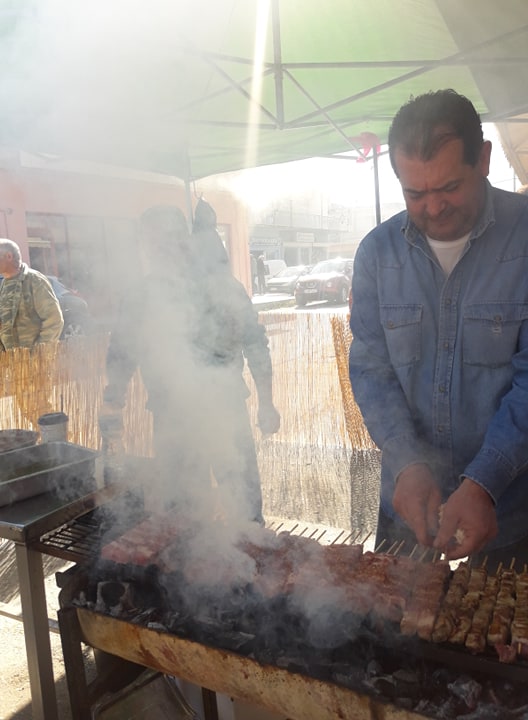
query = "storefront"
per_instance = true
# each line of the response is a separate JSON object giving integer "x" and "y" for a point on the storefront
{"x": 80, "y": 223}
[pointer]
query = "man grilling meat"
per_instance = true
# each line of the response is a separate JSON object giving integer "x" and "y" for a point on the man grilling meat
{"x": 439, "y": 356}
{"x": 188, "y": 327}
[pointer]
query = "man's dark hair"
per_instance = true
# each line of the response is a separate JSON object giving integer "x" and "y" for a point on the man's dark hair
{"x": 425, "y": 123}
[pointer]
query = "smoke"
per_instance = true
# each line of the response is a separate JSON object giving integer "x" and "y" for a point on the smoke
{"x": 99, "y": 81}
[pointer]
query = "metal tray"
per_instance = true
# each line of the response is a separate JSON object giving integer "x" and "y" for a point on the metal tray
{"x": 59, "y": 466}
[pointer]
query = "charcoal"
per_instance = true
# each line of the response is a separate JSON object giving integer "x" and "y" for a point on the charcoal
{"x": 293, "y": 663}
{"x": 362, "y": 654}
{"x": 110, "y": 594}
{"x": 385, "y": 685}
{"x": 407, "y": 677}
{"x": 350, "y": 674}
{"x": 374, "y": 668}
{"x": 466, "y": 689}
{"x": 147, "y": 616}
{"x": 406, "y": 703}
{"x": 444, "y": 710}
{"x": 154, "y": 625}
{"x": 487, "y": 712}
{"x": 408, "y": 684}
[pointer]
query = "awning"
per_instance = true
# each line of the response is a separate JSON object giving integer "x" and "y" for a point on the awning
{"x": 194, "y": 88}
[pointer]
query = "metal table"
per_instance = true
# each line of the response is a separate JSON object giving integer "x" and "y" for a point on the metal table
{"x": 25, "y": 523}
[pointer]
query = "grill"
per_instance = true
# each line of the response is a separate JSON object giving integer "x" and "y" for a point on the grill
{"x": 79, "y": 538}
{"x": 297, "y": 683}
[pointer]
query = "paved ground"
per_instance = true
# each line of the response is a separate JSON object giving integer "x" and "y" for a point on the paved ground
{"x": 15, "y": 696}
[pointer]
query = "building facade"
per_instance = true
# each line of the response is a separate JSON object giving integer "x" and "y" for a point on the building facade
{"x": 303, "y": 238}
{"x": 80, "y": 223}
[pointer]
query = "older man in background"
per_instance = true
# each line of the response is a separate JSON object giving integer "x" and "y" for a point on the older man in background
{"x": 29, "y": 310}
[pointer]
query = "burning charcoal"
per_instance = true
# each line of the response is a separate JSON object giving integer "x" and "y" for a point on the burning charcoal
{"x": 441, "y": 677}
{"x": 146, "y": 616}
{"x": 81, "y": 601}
{"x": 407, "y": 683}
{"x": 467, "y": 690}
{"x": 440, "y": 711}
{"x": 374, "y": 668}
{"x": 293, "y": 663}
{"x": 385, "y": 685}
{"x": 487, "y": 712}
{"x": 160, "y": 627}
{"x": 349, "y": 676}
{"x": 406, "y": 676}
{"x": 109, "y": 596}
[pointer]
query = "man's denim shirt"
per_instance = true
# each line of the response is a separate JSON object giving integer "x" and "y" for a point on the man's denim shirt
{"x": 439, "y": 365}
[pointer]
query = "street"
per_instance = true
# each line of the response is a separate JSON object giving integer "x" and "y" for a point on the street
{"x": 280, "y": 302}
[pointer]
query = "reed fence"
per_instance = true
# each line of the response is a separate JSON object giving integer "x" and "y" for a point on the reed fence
{"x": 320, "y": 467}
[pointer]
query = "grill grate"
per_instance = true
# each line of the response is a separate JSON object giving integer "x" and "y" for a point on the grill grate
{"x": 78, "y": 540}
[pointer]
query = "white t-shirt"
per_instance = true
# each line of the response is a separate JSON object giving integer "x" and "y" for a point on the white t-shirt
{"x": 448, "y": 252}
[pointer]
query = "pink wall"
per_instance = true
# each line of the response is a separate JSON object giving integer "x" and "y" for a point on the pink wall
{"x": 37, "y": 190}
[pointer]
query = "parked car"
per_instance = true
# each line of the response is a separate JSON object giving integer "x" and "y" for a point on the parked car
{"x": 273, "y": 266}
{"x": 328, "y": 280}
{"x": 286, "y": 280}
{"x": 77, "y": 319}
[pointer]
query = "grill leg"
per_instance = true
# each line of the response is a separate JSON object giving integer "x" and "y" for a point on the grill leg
{"x": 36, "y": 632}
{"x": 80, "y": 697}
{"x": 113, "y": 673}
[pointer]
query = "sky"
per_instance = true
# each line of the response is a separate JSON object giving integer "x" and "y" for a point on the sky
{"x": 344, "y": 182}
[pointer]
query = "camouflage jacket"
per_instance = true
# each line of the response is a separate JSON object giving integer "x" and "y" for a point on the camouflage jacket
{"x": 29, "y": 310}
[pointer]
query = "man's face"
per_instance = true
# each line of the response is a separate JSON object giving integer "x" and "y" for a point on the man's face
{"x": 6, "y": 263}
{"x": 164, "y": 249}
{"x": 444, "y": 195}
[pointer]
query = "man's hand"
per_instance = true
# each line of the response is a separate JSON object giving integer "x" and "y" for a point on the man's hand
{"x": 268, "y": 418}
{"x": 470, "y": 514}
{"x": 416, "y": 499}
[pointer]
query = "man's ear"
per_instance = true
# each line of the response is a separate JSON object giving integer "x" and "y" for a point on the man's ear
{"x": 485, "y": 157}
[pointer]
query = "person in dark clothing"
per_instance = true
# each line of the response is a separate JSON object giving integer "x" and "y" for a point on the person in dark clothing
{"x": 261, "y": 274}
{"x": 190, "y": 327}
{"x": 207, "y": 243}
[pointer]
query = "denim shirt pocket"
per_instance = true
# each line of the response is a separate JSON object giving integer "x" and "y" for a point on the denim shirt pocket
{"x": 402, "y": 325}
{"x": 491, "y": 333}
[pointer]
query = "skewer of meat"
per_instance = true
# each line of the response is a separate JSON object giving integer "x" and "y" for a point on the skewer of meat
{"x": 499, "y": 629}
{"x": 446, "y": 620}
{"x": 477, "y": 634}
{"x": 381, "y": 584}
{"x": 468, "y": 603}
{"x": 519, "y": 627}
{"x": 427, "y": 593}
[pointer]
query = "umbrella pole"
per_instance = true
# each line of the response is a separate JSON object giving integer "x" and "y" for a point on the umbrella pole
{"x": 188, "y": 200}
{"x": 188, "y": 192}
{"x": 376, "y": 184}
